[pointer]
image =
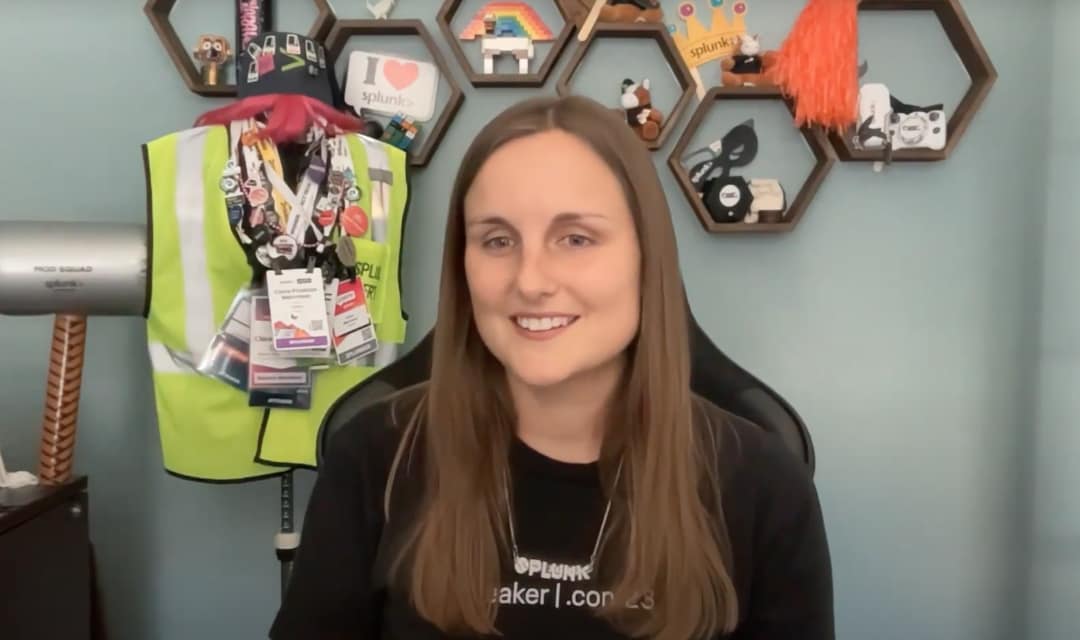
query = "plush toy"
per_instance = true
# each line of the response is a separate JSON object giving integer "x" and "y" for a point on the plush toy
{"x": 636, "y": 102}
{"x": 750, "y": 67}
{"x": 614, "y": 10}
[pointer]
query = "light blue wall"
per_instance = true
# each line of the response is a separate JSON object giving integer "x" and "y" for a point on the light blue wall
{"x": 1055, "y": 439}
{"x": 901, "y": 318}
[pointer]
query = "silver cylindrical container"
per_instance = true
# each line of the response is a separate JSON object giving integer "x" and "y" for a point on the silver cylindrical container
{"x": 83, "y": 268}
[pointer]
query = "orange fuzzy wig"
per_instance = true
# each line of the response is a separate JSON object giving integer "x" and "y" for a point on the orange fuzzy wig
{"x": 817, "y": 65}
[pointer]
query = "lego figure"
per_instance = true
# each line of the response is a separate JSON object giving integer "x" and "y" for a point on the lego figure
{"x": 400, "y": 131}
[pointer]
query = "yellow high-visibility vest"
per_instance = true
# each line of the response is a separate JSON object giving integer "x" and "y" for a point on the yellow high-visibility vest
{"x": 196, "y": 268}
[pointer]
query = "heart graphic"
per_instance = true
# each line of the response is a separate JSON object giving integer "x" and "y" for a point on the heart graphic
{"x": 400, "y": 74}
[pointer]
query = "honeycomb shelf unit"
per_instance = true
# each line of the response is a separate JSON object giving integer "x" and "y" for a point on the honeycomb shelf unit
{"x": 534, "y": 79}
{"x": 816, "y": 140}
{"x": 976, "y": 62}
{"x": 646, "y": 31}
{"x": 157, "y": 11}
{"x": 343, "y": 30}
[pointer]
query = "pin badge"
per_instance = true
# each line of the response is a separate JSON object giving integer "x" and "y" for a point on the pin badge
{"x": 258, "y": 196}
{"x": 354, "y": 221}
{"x": 262, "y": 254}
{"x": 260, "y": 234}
{"x": 292, "y": 44}
{"x": 327, "y": 218}
{"x": 236, "y": 214}
{"x": 286, "y": 246}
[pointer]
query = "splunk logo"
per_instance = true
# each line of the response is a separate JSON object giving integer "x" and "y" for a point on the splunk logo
{"x": 725, "y": 43}
{"x": 552, "y": 570}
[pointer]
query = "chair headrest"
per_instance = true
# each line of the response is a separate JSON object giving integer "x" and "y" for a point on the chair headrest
{"x": 714, "y": 376}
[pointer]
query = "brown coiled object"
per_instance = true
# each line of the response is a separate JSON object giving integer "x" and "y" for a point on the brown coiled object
{"x": 60, "y": 420}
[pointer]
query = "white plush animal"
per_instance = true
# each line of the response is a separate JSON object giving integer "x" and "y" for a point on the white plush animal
{"x": 381, "y": 9}
{"x": 749, "y": 45}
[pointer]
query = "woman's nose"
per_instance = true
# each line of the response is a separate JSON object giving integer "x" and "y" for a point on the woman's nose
{"x": 534, "y": 275}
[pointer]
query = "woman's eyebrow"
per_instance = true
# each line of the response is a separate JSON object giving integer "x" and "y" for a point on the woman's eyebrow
{"x": 488, "y": 221}
{"x": 578, "y": 216}
{"x": 561, "y": 218}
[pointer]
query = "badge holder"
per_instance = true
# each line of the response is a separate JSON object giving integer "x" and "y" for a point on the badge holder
{"x": 274, "y": 380}
{"x": 227, "y": 356}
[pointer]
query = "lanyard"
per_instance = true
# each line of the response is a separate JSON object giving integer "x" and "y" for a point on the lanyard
{"x": 301, "y": 206}
{"x": 327, "y": 196}
{"x": 231, "y": 184}
{"x": 263, "y": 209}
{"x": 272, "y": 164}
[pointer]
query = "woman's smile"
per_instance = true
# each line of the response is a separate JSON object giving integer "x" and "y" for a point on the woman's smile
{"x": 542, "y": 327}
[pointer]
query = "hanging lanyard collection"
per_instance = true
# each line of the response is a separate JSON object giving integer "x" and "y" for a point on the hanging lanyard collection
{"x": 278, "y": 225}
{"x": 312, "y": 304}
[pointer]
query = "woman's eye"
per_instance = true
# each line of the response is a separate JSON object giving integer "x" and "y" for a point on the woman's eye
{"x": 498, "y": 242}
{"x": 578, "y": 240}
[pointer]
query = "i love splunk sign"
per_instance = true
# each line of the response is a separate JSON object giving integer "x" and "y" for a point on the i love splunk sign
{"x": 389, "y": 84}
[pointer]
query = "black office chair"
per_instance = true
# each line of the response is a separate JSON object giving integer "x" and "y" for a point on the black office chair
{"x": 713, "y": 376}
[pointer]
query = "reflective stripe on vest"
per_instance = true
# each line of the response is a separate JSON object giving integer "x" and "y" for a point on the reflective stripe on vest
{"x": 207, "y": 430}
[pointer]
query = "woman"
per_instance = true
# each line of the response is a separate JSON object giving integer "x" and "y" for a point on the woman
{"x": 556, "y": 477}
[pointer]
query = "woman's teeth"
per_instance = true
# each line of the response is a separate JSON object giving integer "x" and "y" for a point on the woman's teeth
{"x": 544, "y": 324}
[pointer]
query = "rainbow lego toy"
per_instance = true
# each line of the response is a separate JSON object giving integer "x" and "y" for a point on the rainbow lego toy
{"x": 507, "y": 28}
{"x": 517, "y": 19}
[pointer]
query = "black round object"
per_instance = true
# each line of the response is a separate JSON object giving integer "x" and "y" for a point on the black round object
{"x": 373, "y": 129}
{"x": 728, "y": 199}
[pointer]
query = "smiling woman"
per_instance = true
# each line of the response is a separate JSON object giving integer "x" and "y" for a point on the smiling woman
{"x": 542, "y": 263}
{"x": 556, "y": 477}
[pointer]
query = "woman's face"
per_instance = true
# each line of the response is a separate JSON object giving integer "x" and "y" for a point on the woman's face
{"x": 552, "y": 260}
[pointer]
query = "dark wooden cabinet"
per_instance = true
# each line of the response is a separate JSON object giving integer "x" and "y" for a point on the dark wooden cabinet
{"x": 45, "y": 581}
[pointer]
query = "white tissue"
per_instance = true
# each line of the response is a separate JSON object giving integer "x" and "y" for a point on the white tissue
{"x": 15, "y": 479}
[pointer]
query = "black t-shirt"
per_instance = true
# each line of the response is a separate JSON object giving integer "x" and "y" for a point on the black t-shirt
{"x": 781, "y": 564}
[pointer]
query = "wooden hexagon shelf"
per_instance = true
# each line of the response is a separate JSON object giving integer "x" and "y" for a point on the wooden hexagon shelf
{"x": 157, "y": 11}
{"x": 655, "y": 31}
{"x": 972, "y": 55}
{"x": 536, "y": 78}
{"x": 344, "y": 29}
{"x": 816, "y": 139}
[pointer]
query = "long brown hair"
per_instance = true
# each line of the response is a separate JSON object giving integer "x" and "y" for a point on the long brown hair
{"x": 667, "y": 535}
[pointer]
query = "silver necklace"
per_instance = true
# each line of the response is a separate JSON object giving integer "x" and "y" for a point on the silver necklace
{"x": 599, "y": 536}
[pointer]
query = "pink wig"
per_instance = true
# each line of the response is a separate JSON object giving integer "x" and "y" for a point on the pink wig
{"x": 289, "y": 116}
